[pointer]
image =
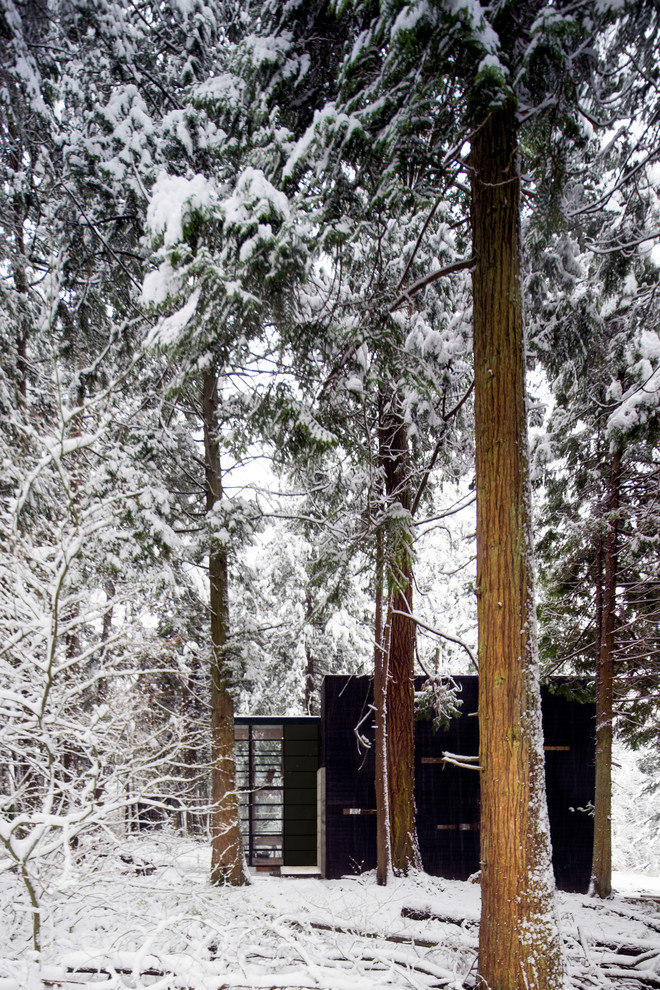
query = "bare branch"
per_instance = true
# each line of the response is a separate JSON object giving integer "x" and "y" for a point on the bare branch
{"x": 421, "y": 283}
{"x": 438, "y": 632}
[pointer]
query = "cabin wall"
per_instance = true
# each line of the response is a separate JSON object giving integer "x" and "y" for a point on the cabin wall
{"x": 447, "y": 796}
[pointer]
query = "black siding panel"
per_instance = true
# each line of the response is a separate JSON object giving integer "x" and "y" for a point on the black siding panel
{"x": 448, "y": 796}
{"x": 301, "y": 762}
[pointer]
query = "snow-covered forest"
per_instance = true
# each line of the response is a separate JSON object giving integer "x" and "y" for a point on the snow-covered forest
{"x": 329, "y": 343}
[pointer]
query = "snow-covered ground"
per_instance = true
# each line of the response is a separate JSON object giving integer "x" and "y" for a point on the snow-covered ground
{"x": 156, "y": 922}
{"x": 628, "y": 884}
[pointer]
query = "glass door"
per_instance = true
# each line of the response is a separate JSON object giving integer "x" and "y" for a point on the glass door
{"x": 260, "y": 782}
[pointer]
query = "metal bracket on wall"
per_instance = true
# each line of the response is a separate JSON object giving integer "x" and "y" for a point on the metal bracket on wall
{"x": 462, "y": 827}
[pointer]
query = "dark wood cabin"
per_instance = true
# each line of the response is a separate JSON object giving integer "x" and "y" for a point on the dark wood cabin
{"x": 310, "y": 798}
{"x": 447, "y": 796}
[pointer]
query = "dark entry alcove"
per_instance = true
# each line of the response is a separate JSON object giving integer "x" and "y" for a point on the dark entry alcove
{"x": 447, "y": 796}
{"x": 277, "y": 761}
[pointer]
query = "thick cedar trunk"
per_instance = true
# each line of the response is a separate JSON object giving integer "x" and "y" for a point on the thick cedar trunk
{"x": 601, "y": 866}
{"x": 383, "y": 855}
{"x": 227, "y": 862}
{"x": 519, "y": 944}
{"x": 400, "y": 646}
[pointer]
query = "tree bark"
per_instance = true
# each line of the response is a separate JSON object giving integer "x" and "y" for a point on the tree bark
{"x": 19, "y": 263}
{"x": 227, "y": 860}
{"x": 311, "y": 694}
{"x": 383, "y": 853}
{"x": 519, "y": 944}
{"x": 400, "y": 644}
{"x": 601, "y": 866}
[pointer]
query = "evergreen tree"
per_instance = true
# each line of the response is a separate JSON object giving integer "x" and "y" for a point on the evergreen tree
{"x": 513, "y": 64}
{"x": 385, "y": 376}
{"x": 227, "y": 251}
{"x": 598, "y": 545}
{"x": 597, "y": 338}
{"x": 91, "y": 105}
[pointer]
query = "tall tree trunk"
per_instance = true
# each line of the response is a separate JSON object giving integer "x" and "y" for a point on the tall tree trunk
{"x": 19, "y": 264}
{"x": 227, "y": 860}
{"x": 311, "y": 695}
{"x": 400, "y": 644}
{"x": 310, "y": 692}
{"x": 190, "y": 767}
{"x": 519, "y": 944}
{"x": 601, "y": 866}
{"x": 106, "y": 631}
{"x": 383, "y": 853}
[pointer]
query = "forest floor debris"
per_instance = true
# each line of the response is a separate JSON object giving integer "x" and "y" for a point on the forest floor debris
{"x": 109, "y": 926}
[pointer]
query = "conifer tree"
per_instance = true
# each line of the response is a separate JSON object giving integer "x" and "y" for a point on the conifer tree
{"x": 390, "y": 375}
{"x": 595, "y": 327}
{"x": 599, "y": 568}
{"x": 226, "y": 251}
{"x": 100, "y": 100}
{"x": 511, "y": 64}
{"x": 83, "y": 527}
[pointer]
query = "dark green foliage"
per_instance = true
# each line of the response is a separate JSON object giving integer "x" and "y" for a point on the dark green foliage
{"x": 438, "y": 700}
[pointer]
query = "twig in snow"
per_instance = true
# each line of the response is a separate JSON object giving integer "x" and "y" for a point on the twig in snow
{"x": 399, "y": 939}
